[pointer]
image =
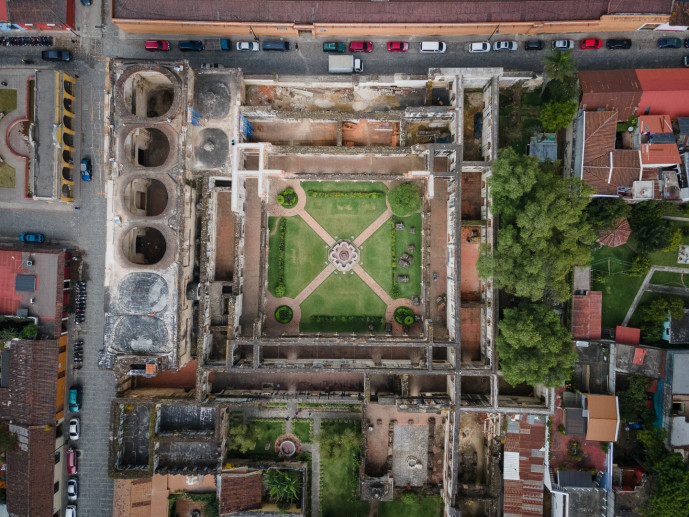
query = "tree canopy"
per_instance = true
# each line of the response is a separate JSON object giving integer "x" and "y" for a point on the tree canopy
{"x": 534, "y": 347}
{"x": 603, "y": 212}
{"x": 651, "y": 230}
{"x": 241, "y": 438}
{"x": 559, "y": 65}
{"x": 336, "y": 445}
{"x": 284, "y": 487}
{"x": 404, "y": 199}
{"x": 543, "y": 230}
{"x": 556, "y": 115}
{"x": 653, "y": 314}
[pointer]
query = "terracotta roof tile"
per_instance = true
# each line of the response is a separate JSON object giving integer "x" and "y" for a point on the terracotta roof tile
{"x": 618, "y": 90}
{"x": 627, "y": 335}
{"x": 38, "y": 11}
{"x": 240, "y": 492}
{"x": 659, "y": 154}
{"x": 525, "y": 496}
{"x": 587, "y": 310}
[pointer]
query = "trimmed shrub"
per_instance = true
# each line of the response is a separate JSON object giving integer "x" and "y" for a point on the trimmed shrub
{"x": 287, "y": 198}
{"x": 280, "y": 288}
{"x": 284, "y": 314}
{"x": 366, "y": 195}
{"x": 402, "y": 315}
{"x": 404, "y": 199}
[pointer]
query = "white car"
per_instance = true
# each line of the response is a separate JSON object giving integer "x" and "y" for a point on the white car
{"x": 479, "y": 46}
{"x": 500, "y": 46}
{"x": 74, "y": 429}
{"x": 71, "y": 511}
{"x": 563, "y": 44}
{"x": 72, "y": 490}
{"x": 247, "y": 45}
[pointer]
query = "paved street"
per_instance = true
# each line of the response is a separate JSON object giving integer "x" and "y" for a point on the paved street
{"x": 85, "y": 228}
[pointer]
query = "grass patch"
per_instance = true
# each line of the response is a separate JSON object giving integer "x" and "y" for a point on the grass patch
{"x": 305, "y": 255}
{"x": 350, "y": 407}
{"x": 7, "y": 175}
{"x": 668, "y": 278}
{"x": 344, "y": 217}
{"x": 429, "y": 507}
{"x": 377, "y": 259}
{"x": 341, "y": 295}
{"x": 302, "y": 430}
{"x": 340, "y": 477}
{"x": 8, "y": 101}
{"x": 609, "y": 268}
{"x": 267, "y": 430}
{"x": 667, "y": 258}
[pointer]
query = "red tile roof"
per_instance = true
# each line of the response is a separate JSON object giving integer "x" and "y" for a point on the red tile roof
{"x": 617, "y": 236}
{"x": 655, "y": 124}
{"x": 524, "y": 495}
{"x": 587, "y": 311}
{"x": 400, "y": 11}
{"x": 239, "y": 492}
{"x": 30, "y": 471}
{"x": 618, "y": 90}
{"x": 627, "y": 335}
{"x": 660, "y": 154}
{"x": 41, "y": 11}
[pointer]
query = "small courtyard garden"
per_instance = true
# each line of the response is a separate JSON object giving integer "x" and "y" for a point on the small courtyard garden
{"x": 411, "y": 505}
{"x": 255, "y": 440}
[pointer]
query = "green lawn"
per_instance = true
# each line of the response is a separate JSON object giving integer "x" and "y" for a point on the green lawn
{"x": 7, "y": 175}
{"x": 340, "y": 478}
{"x": 429, "y": 507}
{"x": 665, "y": 258}
{"x": 268, "y": 430}
{"x": 608, "y": 275}
{"x": 8, "y": 101}
{"x": 377, "y": 262}
{"x": 305, "y": 255}
{"x": 302, "y": 430}
{"x": 668, "y": 278}
{"x": 344, "y": 217}
{"x": 341, "y": 295}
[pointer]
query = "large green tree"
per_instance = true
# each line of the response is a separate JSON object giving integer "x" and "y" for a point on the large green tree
{"x": 534, "y": 347}
{"x": 557, "y": 115}
{"x": 241, "y": 438}
{"x": 560, "y": 65}
{"x": 653, "y": 314}
{"x": 336, "y": 445}
{"x": 404, "y": 199}
{"x": 603, "y": 212}
{"x": 284, "y": 487}
{"x": 543, "y": 230}
{"x": 651, "y": 230}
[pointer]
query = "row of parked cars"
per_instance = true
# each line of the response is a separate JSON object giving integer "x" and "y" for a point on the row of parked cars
{"x": 222, "y": 44}
{"x": 74, "y": 401}
{"x": 563, "y": 44}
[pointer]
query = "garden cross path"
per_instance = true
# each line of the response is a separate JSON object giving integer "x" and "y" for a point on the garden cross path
{"x": 313, "y": 285}
{"x": 385, "y": 216}
{"x": 645, "y": 287}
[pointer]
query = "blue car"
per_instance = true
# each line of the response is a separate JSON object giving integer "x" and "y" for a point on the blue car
{"x": 86, "y": 169}
{"x": 186, "y": 46}
{"x": 32, "y": 237}
{"x": 669, "y": 43}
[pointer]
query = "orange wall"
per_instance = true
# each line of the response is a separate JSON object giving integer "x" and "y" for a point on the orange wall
{"x": 61, "y": 381}
{"x": 606, "y": 23}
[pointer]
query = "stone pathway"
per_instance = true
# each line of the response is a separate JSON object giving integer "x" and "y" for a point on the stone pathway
{"x": 317, "y": 228}
{"x": 373, "y": 227}
{"x": 645, "y": 287}
{"x": 313, "y": 285}
{"x": 382, "y": 294}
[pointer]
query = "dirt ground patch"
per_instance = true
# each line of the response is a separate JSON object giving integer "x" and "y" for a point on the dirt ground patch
{"x": 473, "y": 104}
{"x": 471, "y": 450}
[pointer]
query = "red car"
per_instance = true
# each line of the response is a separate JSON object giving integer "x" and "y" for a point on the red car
{"x": 361, "y": 46}
{"x": 590, "y": 43}
{"x": 397, "y": 46}
{"x": 71, "y": 461}
{"x": 154, "y": 45}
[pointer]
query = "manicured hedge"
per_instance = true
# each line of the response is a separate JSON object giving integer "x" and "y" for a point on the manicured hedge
{"x": 369, "y": 195}
{"x": 404, "y": 315}
{"x": 394, "y": 292}
{"x": 280, "y": 288}
{"x": 347, "y": 323}
{"x": 284, "y": 314}
{"x": 287, "y": 198}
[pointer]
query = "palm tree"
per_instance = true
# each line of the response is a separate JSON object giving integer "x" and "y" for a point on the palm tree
{"x": 558, "y": 66}
{"x": 284, "y": 486}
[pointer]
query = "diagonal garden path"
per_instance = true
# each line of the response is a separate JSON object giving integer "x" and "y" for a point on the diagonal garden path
{"x": 313, "y": 285}
{"x": 373, "y": 227}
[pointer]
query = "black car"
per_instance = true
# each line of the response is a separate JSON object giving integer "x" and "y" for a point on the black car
{"x": 86, "y": 2}
{"x": 534, "y": 44}
{"x": 669, "y": 43}
{"x": 614, "y": 44}
{"x": 56, "y": 55}
{"x": 686, "y": 43}
{"x": 196, "y": 46}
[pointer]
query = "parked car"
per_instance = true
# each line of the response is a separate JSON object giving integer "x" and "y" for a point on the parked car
{"x": 56, "y": 55}
{"x": 614, "y": 44}
{"x": 479, "y": 46}
{"x": 279, "y": 46}
{"x": 248, "y": 45}
{"x": 86, "y": 2}
{"x": 334, "y": 46}
{"x": 74, "y": 429}
{"x": 397, "y": 46}
{"x": 669, "y": 43}
{"x": 71, "y": 461}
{"x": 432, "y": 47}
{"x": 563, "y": 44}
{"x": 501, "y": 46}
{"x": 590, "y": 43}
{"x": 72, "y": 490}
{"x": 75, "y": 399}
{"x": 86, "y": 169}
{"x": 71, "y": 511}
{"x": 686, "y": 43}
{"x": 192, "y": 45}
{"x": 154, "y": 45}
{"x": 686, "y": 61}
{"x": 32, "y": 237}
{"x": 361, "y": 46}
{"x": 534, "y": 44}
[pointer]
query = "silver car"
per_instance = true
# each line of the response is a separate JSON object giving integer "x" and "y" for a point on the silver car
{"x": 247, "y": 45}
{"x": 500, "y": 46}
{"x": 479, "y": 46}
{"x": 563, "y": 44}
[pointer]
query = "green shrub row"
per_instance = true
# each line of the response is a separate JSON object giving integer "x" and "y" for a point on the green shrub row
{"x": 368, "y": 195}
{"x": 394, "y": 292}
{"x": 377, "y": 320}
{"x": 287, "y": 198}
{"x": 280, "y": 288}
